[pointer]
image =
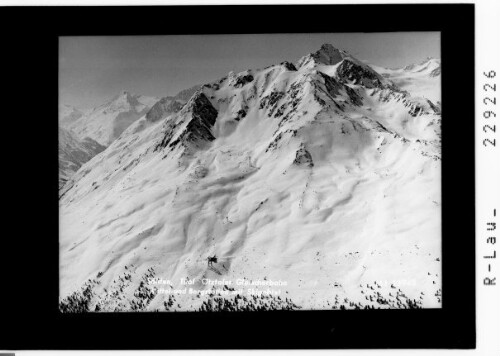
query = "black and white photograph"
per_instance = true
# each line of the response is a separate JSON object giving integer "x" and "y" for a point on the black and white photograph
{"x": 249, "y": 176}
{"x": 250, "y": 172}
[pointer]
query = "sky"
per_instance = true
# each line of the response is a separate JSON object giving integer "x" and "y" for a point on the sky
{"x": 92, "y": 70}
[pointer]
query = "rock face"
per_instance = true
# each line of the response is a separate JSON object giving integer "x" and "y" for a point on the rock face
{"x": 324, "y": 175}
{"x": 436, "y": 72}
{"x": 360, "y": 75}
{"x": 327, "y": 55}
{"x": 194, "y": 126}
{"x": 303, "y": 157}
{"x": 289, "y": 66}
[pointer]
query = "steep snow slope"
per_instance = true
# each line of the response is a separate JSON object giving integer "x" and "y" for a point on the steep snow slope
{"x": 106, "y": 122}
{"x": 324, "y": 175}
{"x": 422, "y": 80}
{"x": 73, "y": 153}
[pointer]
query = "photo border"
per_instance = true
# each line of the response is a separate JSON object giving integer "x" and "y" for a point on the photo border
{"x": 31, "y": 305}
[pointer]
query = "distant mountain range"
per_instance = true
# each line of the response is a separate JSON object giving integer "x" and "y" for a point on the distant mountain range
{"x": 107, "y": 121}
{"x": 422, "y": 79}
{"x": 73, "y": 153}
{"x": 84, "y": 134}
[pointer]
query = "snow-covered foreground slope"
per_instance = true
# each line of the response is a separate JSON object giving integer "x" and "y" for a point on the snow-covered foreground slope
{"x": 324, "y": 176}
{"x": 73, "y": 153}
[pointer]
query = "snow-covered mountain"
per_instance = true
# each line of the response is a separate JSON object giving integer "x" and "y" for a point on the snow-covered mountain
{"x": 186, "y": 94}
{"x": 107, "y": 121}
{"x": 430, "y": 67}
{"x": 73, "y": 153}
{"x": 324, "y": 175}
{"x": 422, "y": 79}
{"x": 170, "y": 104}
{"x": 68, "y": 114}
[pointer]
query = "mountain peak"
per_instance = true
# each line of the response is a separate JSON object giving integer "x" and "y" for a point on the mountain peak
{"x": 328, "y": 47}
{"x": 327, "y": 55}
{"x": 126, "y": 95}
{"x": 125, "y": 98}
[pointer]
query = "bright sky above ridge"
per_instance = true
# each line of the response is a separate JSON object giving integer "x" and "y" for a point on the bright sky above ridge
{"x": 94, "y": 69}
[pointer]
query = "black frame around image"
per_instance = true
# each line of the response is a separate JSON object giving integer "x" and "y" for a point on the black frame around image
{"x": 31, "y": 282}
